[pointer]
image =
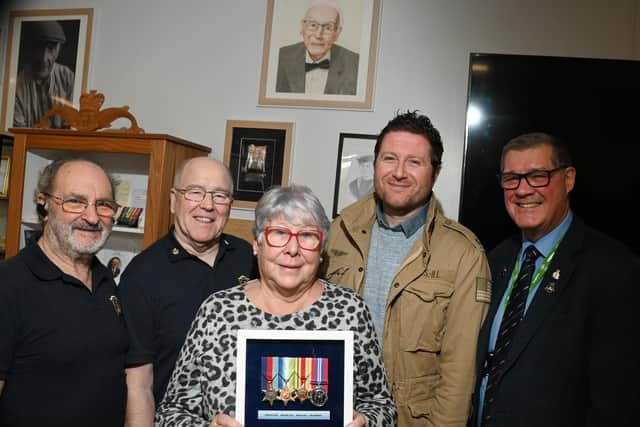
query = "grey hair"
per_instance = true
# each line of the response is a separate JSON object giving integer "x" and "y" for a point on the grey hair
{"x": 292, "y": 203}
{"x": 48, "y": 175}
{"x": 560, "y": 155}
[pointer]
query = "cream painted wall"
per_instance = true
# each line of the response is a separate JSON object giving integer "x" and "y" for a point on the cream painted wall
{"x": 186, "y": 67}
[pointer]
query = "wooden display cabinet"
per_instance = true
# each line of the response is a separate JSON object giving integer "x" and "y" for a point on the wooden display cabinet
{"x": 147, "y": 160}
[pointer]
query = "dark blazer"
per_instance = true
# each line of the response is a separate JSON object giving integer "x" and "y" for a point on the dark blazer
{"x": 571, "y": 362}
{"x": 343, "y": 70}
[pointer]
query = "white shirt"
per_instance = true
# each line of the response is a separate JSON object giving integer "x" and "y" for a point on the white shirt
{"x": 316, "y": 80}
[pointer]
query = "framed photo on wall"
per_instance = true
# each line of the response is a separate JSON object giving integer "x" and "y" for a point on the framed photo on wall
{"x": 258, "y": 155}
{"x": 320, "y": 55}
{"x": 50, "y": 48}
{"x": 354, "y": 170}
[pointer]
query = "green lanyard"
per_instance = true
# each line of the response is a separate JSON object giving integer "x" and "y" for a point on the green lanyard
{"x": 537, "y": 277}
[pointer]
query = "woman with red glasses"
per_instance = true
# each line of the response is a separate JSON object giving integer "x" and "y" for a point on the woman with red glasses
{"x": 290, "y": 230}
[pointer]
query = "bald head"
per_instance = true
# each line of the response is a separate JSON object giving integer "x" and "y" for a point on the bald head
{"x": 320, "y": 29}
{"x": 213, "y": 168}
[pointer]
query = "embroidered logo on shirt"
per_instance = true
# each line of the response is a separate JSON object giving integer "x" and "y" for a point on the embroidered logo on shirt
{"x": 483, "y": 290}
{"x": 242, "y": 279}
{"x": 432, "y": 274}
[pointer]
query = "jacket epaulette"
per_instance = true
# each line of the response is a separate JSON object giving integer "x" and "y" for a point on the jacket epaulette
{"x": 468, "y": 234}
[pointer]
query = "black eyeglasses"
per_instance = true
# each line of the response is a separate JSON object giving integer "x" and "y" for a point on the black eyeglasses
{"x": 104, "y": 207}
{"x": 197, "y": 194}
{"x": 535, "y": 178}
{"x": 278, "y": 237}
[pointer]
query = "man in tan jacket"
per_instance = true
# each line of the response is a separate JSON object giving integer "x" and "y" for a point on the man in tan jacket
{"x": 425, "y": 277}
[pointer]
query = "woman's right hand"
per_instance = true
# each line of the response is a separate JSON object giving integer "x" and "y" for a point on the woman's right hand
{"x": 223, "y": 420}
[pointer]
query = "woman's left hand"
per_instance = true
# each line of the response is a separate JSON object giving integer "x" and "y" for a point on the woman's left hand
{"x": 223, "y": 420}
{"x": 358, "y": 420}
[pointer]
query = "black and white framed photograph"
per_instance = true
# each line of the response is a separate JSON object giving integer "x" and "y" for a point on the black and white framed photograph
{"x": 320, "y": 54}
{"x": 294, "y": 378}
{"x": 354, "y": 169}
{"x": 47, "y": 63}
{"x": 258, "y": 155}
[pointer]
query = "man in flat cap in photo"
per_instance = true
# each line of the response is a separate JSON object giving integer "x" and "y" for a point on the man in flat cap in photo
{"x": 42, "y": 81}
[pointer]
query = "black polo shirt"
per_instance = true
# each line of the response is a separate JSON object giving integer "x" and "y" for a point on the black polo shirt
{"x": 161, "y": 290}
{"x": 62, "y": 347}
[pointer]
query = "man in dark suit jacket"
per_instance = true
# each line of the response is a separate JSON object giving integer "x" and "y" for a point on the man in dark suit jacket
{"x": 317, "y": 64}
{"x": 568, "y": 360}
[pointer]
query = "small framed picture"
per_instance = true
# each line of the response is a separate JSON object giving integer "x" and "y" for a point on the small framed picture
{"x": 320, "y": 54}
{"x": 63, "y": 37}
{"x": 5, "y": 170}
{"x": 294, "y": 378}
{"x": 31, "y": 235}
{"x": 354, "y": 171}
{"x": 258, "y": 155}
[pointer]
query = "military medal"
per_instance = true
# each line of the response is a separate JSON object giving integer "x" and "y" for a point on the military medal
{"x": 270, "y": 395}
{"x": 318, "y": 397}
{"x": 269, "y": 372}
{"x": 319, "y": 394}
{"x": 301, "y": 392}
{"x": 285, "y": 395}
{"x": 287, "y": 366}
{"x": 304, "y": 368}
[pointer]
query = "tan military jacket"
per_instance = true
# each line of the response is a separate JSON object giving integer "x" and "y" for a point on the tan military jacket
{"x": 435, "y": 308}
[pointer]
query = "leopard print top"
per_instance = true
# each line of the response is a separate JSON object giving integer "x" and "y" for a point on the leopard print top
{"x": 203, "y": 382}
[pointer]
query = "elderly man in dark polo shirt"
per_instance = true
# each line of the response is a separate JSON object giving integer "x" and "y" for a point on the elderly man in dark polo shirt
{"x": 62, "y": 335}
{"x": 164, "y": 285}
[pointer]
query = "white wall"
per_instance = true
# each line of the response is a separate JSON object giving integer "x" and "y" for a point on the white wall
{"x": 186, "y": 67}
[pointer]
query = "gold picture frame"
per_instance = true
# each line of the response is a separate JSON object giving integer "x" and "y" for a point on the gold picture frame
{"x": 71, "y": 30}
{"x": 258, "y": 155}
{"x": 351, "y": 70}
{"x": 5, "y": 170}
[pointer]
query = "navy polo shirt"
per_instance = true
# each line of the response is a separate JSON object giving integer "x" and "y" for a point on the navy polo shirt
{"x": 161, "y": 290}
{"x": 62, "y": 346}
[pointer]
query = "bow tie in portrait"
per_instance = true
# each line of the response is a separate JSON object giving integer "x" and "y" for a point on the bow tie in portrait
{"x": 308, "y": 66}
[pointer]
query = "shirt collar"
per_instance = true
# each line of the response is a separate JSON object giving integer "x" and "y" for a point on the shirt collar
{"x": 308, "y": 59}
{"x": 176, "y": 252}
{"x": 546, "y": 243}
{"x": 44, "y": 269}
{"x": 408, "y": 226}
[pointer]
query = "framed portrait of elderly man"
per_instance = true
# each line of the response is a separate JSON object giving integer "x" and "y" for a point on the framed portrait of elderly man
{"x": 46, "y": 64}
{"x": 258, "y": 155}
{"x": 320, "y": 53}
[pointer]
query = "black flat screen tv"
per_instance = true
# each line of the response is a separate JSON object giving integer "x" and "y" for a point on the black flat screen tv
{"x": 593, "y": 104}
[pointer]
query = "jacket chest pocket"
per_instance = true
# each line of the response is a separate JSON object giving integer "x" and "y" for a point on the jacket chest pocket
{"x": 423, "y": 311}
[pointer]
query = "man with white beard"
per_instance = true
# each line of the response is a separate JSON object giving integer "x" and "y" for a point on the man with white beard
{"x": 62, "y": 334}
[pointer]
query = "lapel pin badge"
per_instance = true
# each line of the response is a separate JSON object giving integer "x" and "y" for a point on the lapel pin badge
{"x": 556, "y": 274}
{"x": 116, "y": 304}
{"x": 550, "y": 287}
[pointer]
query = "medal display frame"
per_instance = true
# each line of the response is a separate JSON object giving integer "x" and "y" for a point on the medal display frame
{"x": 292, "y": 394}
